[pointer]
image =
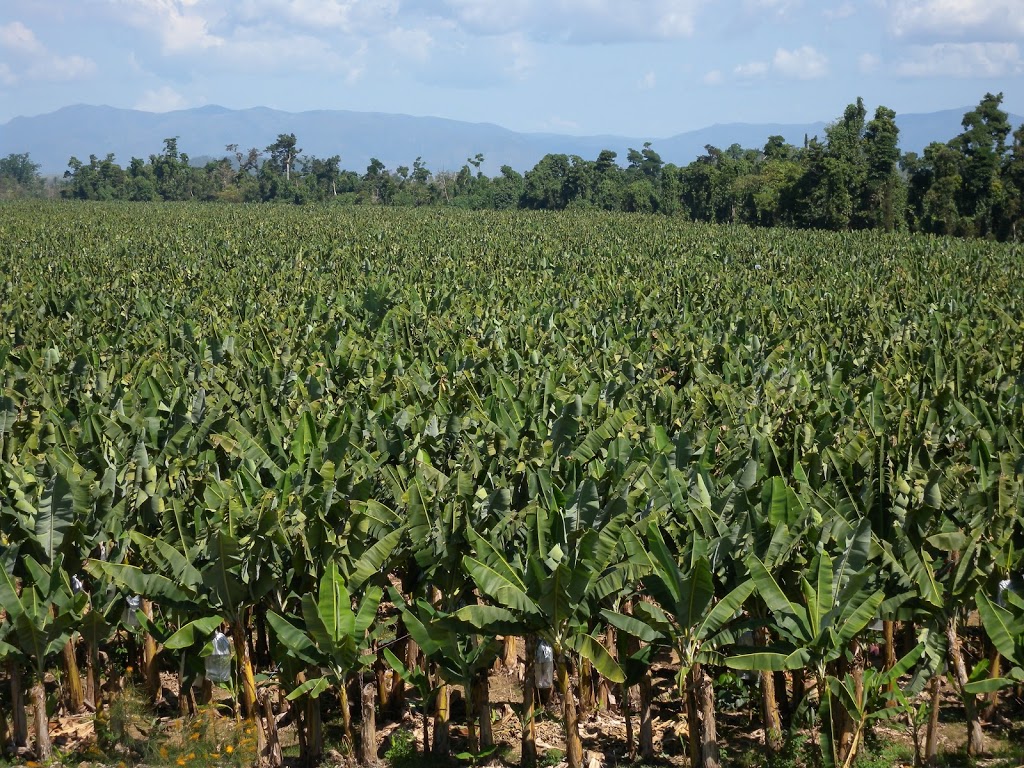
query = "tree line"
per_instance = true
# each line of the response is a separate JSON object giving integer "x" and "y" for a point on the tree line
{"x": 855, "y": 177}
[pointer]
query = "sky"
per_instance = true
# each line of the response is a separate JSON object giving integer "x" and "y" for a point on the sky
{"x": 626, "y": 67}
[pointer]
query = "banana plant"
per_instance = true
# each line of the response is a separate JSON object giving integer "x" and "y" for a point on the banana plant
{"x": 1003, "y": 621}
{"x": 867, "y": 700}
{"x": 43, "y": 615}
{"x": 334, "y": 635}
{"x": 551, "y": 589}
{"x": 686, "y": 615}
{"x": 461, "y": 657}
{"x": 220, "y": 578}
{"x": 945, "y": 571}
{"x": 836, "y": 607}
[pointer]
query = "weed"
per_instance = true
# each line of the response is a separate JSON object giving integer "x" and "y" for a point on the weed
{"x": 401, "y": 753}
{"x": 552, "y": 757}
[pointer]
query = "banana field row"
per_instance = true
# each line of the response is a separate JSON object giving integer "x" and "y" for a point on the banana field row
{"x": 612, "y": 434}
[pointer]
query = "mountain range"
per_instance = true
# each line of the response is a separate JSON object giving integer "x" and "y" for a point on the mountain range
{"x": 395, "y": 139}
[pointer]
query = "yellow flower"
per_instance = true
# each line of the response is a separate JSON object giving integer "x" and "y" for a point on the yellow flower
{"x": 215, "y": 755}
{"x": 191, "y": 755}
{"x": 181, "y": 761}
{"x": 229, "y": 749}
{"x": 194, "y": 737}
{"x": 31, "y": 764}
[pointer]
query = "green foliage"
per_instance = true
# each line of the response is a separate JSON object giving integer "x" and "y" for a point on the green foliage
{"x": 401, "y": 751}
{"x": 848, "y": 179}
{"x": 520, "y": 422}
{"x": 552, "y": 757}
{"x": 19, "y": 176}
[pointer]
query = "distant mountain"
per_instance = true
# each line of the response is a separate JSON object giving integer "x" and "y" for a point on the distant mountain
{"x": 82, "y": 130}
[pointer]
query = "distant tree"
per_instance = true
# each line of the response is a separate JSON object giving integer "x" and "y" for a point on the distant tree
{"x": 883, "y": 196}
{"x": 544, "y": 184}
{"x": 837, "y": 172}
{"x": 773, "y": 197}
{"x": 420, "y": 173}
{"x": 216, "y": 181}
{"x": 283, "y": 154}
{"x": 698, "y": 183}
{"x": 605, "y": 162}
{"x": 983, "y": 145}
{"x": 645, "y": 161}
{"x": 141, "y": 183}
{"x": 580, "y": 181}
{"x": 825, "y": 201}
{"x": 172, "y": 172}
{"x": 247, "y": 162}
{"x": 940, "y": 210}
{"x": 776, "y": 148}
{"x": 378, "y": 183}
{"x": 19, "y": 176}
{"x": 507, "y": 188}
{"x": 98, "y": 180}
{"x": 1013, "y": 181}
{"x": 640, "y": 196}
{"x": 322, "y": 176}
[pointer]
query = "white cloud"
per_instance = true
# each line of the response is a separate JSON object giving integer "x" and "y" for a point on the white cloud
{"x": 648, "y": 81}
{"x": 181, "y": 25}
{"x": 34, "y": 61}
{"x": 714, "y": 77}
{"x": 776, "y": 7}
{"x": 868, "y": 63}
{"x": 53, "y": 67}
{"x": 162, "y": 99}
{"x": 751, "y": 69}
{"x": 957, "y": 20}
{"x": 18, "y": 38}
{"x": 804, "y": 63}
{"x": 517, "y": 52}
{"x": 571, "y": 21}
{"x": 258, "y": 50}
{"x": 962, "y": 60}
{"x": 488, "y": 40}
{"x": 414, "y": 43}
{"x": 266, "y": 36}
{"x": 840, "y": 12}
{"x": 348, "y": 16}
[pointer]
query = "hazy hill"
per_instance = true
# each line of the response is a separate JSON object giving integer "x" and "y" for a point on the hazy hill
{"x": 82, "y": 130}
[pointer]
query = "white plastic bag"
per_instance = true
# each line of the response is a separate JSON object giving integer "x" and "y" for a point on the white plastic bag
{"x": 133, "y": 603}
{"x": 218, "y": 663}
{"x": 544, "y": 669}
{"x": 1004, "y": 585}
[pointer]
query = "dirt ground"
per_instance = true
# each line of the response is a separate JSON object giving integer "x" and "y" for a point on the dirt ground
{"x": 603, "y": 732}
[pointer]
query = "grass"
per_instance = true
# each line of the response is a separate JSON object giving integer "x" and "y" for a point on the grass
{"x": 129, "y": 734}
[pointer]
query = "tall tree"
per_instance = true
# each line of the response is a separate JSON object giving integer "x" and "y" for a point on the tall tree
{"x": 983, "y": 145}
{"x": 283, "y": 154}
{"x": 19, "y": 175}
{"x": 881, "y": 200}
{"x": 836, "y": 172}
{"x": 1013, "y": 179}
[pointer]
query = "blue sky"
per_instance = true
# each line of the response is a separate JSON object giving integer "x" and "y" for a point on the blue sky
{"x": 640, "y": 67}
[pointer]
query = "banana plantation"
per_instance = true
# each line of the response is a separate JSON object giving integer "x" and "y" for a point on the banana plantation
{"x": 384, "y": 452}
